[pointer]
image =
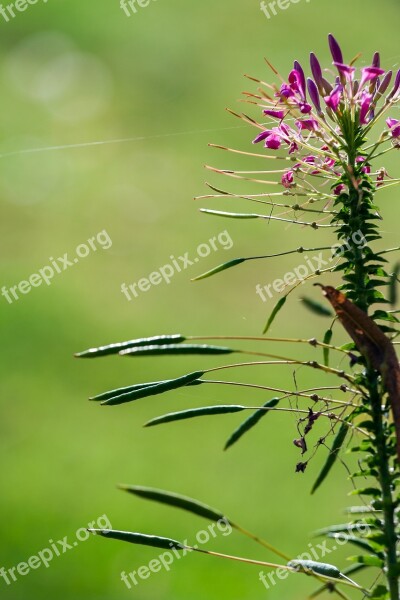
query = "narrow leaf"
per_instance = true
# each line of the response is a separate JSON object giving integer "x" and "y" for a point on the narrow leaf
{"x": 393, "y": 283}
{"x": 223, "y": 267}
{"x": 352, "y": 539}
{"x": 123, "y": 390}
{"x": 153, "y": 390}
{"x": 327, "y": 340}
{"x": 132, "y": 388}
{"x": 220, "y": 213}
{"x": 195, "y": 412}
{"x": 342, "y": 528}
{"x": 174, "y": 349}
{"x": 333, "y": 454}
{"x": 360, "y": 510}
{"x": 139, "y": 538}
{"x": 250, "y": 423}
{"x": 116, "y": 348}
{"x": 176, "y": 500}
{"x": 376, "y": 348}
{"x": 316, "y": 307}
{"x": 275, "y": 311}
{"x": 368, "y": 560}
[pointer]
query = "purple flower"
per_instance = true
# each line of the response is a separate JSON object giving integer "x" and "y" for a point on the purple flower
{"x": 370, "y": 73}
{"x": 274, "y": 137}
{"x": 383, "y": 86}
{"x": 396, "y": 87}
{"x": 304, "y": 107}
{"x": 339, "y": 189}
{"x": 365, "y": 168}
{"x": 301, "y": 80}
{"x": 288, "y": 179}
{"x": 317, "y": 72}
{"x": 345, "y": 70}
{"x": 366, "y": 101}
{"x": 376, "y": 61}
{"x": 262, "y": 136}
{"x": 314, "y": 95}
{"x": 277, "y": 114}
{"x": 329, "y": 163}
{"x": 293, "y": 147}
{"x": 307, "y": 124}
{"x": 335, "y": 49}
{"x": 294, "y": 81}
{"x": 273, "y": 142}
{"x": 334, "y": 98}
{"x": 394, "y": 126}
{"x": 310, "y": 159}
{"x": 285, "y": 91}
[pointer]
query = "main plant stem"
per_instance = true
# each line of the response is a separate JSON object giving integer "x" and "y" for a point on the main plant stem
{"x": 358, "y": 222}
{"x": 385, "y": 481}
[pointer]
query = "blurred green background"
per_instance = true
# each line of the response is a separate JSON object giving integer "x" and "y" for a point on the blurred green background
{"x": 73, "y": 72}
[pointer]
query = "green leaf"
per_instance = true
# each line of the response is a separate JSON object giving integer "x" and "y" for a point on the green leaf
{"x": 132, "y": 388}
{"x": 384, "y": 316}
{"x": 175, "y": 500}
{"x": 360, "y": 510}
{"x": 343, "y": 527}
{"x": 333, "y": 454}
{"x": 195, "y": 412}
{"x": 220, "y": 213}
{"x": 250, "y": 423}
{"x": 116, "y": 348}
{"x": 275, "y": 311}
{"x": 153, "y": 390}
{"x": 327, "y": 340}
{"x": 352, "y": 539}
{"x": 316, "y": 307}
{"x": 367, "y": 491}
{"x": 123, "y": 390}
{"x": 223, "y": 267}
{"x": 368, "y": 560}
{"x": 174, "y": 349}
{"x": 380, "y": 592}
{"x": 393, "y": 285}
{"x": 139, "y": 538}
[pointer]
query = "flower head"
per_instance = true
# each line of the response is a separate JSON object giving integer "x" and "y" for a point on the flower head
{"x": 330, "y": 116}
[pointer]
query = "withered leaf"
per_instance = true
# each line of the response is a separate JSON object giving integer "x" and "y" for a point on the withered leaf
{"x": 372, "y": 343}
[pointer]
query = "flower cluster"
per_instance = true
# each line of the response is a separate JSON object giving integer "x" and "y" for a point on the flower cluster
{"x": 329, "y": 116}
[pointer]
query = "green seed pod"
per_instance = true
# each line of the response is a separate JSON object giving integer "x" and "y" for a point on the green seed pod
{"x": 116, "y": 348}
{"x": 323, "y": 569}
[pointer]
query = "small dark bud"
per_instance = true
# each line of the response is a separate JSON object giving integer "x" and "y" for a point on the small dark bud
{"x": 301, "y": 443}
{"x": 301, "y": 467}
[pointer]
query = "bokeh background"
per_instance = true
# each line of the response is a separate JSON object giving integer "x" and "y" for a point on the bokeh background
{"x": 73, "y": 72}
